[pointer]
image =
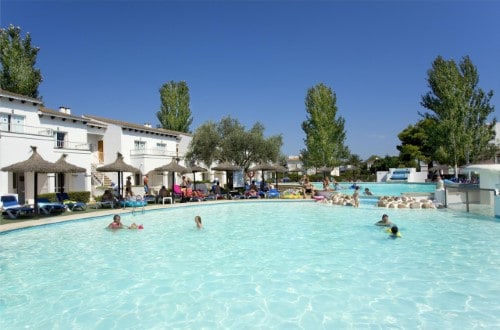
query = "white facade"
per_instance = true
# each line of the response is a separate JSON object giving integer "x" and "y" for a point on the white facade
{"x": 88, "y": 141}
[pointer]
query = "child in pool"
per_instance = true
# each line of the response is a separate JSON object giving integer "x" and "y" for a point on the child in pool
{"x": 394, "y": 232}
{"x": 116, "y": 224}
{"x": 197, "y": 220}
{"x": 135, "y": 226}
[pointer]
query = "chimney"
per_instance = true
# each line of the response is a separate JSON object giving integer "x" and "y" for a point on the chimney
{"x": 65, "y": 110}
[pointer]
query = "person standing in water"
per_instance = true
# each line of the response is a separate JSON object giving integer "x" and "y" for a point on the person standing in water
{"x": 197, "y": 220}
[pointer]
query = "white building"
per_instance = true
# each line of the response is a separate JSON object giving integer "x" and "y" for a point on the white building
{"x": 89, "y": 141}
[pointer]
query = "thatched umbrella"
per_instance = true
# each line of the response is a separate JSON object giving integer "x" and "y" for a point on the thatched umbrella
{"x": 173, "y": 167}
{"x": 62, "y": 166}
{"x": 441, "y": 169}
{"x": 119, "y": 166}
{"x": 194, "y": 169}
{"x": 35, "y": 164}
{"x": 324, "y": 170}
{"x": 279, "y": 169}
{"x": 263, "y": 167}
{"x": 226, "y": 167}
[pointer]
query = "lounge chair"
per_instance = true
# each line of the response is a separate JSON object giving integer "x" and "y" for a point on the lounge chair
{"x": 177, "y": 193}
{"x": 63, "y": 198}
{"x": 12, "y": 209}
{"x": 272, "y": 193}
{"x": 48, "y": 207}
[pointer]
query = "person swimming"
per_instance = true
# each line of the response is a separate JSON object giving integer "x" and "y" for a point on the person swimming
{"x": 384, "y": 222}
{"x": 394, "y": 232}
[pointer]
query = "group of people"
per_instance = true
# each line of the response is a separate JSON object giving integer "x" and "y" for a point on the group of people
{"x": 393, "y": 229}
{"x": 117, "y": 223}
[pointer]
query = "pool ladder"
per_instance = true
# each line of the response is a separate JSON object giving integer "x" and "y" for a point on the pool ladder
{"x": 139, "y": 199}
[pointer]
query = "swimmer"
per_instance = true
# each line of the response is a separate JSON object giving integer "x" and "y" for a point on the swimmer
{"x": 368, "y": 192}
{"x": 135, "y": 226}
{"x": 394, "y": 232}
{"x": 197, "y": 220}
{"x": 384, "y": 222}
{"x": 116, "y": 224}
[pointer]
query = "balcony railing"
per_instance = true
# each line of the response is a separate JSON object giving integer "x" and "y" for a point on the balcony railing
{"x": 25, "y": 129}
{"x": 72, "y": 145}
{"x": 152, "y": 152}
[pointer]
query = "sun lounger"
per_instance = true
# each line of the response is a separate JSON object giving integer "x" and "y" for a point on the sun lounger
{"x": 12, "y": 210}
{"x": 63, "y": 198}
{"x": 272, "y": 193}
{"x": 47, "y": 207}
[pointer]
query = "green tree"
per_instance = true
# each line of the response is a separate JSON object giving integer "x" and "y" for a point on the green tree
{"x": 415, "y": 143}
{"x": 175, "y": 113}
{"x": 18, "y": 58}
{"x": 384, "y": 164}
{"x": 205, "y": 144}
{"x": 325, "y": 134}
{"x": 460, "y": 110}
{"x": 230, "y": 141}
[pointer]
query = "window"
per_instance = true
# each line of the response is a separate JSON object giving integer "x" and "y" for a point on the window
{"x": 161, "y": 146}
{"x": 140, "y": 145}
{"x": 60, "y": 138}
{"x": 11, "y": 123}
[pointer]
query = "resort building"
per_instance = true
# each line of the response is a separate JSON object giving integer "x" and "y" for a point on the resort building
{"x": 88, "y": 141}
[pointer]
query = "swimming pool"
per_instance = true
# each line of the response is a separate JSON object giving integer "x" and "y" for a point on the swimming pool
{"x": 255, "y": 265}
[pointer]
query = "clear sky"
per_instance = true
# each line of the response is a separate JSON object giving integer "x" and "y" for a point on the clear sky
{"x": 255, "y": 60}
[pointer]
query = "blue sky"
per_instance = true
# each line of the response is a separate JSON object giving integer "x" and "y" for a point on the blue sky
{"x": 256, "y": 60}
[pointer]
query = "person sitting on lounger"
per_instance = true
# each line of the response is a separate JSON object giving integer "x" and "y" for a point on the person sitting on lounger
{"x": 162, "y": 193}
{"x": 252, "y": 190}
{"x": 108, "y": 197}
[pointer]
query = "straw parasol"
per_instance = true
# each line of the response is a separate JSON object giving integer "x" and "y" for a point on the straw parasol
{"x": 119, "y": 166}
{"x": 173, "y": 167}
{"x": 263, "y": 167}
{"x": 279, "y": 169}
{"x": 226, "y": 167}
{"x": 194, "y": 169}
{"x": 62, "y": 166}
{"x": 324, "y": 170}
{"x": 442, "y": 169}
{"x": 36, "y": 164}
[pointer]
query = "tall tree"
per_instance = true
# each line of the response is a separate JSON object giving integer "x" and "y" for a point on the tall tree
{"x": 460, "y": 110}
{"x": 18, "y": 58}
{"x": 175, "y": 113}
{"x": 325, "y": 134}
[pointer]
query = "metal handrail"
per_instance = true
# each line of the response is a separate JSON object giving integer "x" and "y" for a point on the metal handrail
{"x": 25, "y": 129}
{"x": 153, "y": 151}
{"x": 60, "y": 144}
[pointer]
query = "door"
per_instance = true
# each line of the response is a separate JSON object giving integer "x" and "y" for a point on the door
{"x": 100, "y": 151}
{"x": 18, "y": 179}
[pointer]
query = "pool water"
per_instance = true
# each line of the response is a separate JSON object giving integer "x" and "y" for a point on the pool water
{"x": 255, "y": 264}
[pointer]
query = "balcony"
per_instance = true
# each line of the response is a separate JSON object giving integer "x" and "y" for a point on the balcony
{"x": 25, "y": 129}
{"x": 59, "y": 144}
{"x": 152, "y": 152}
